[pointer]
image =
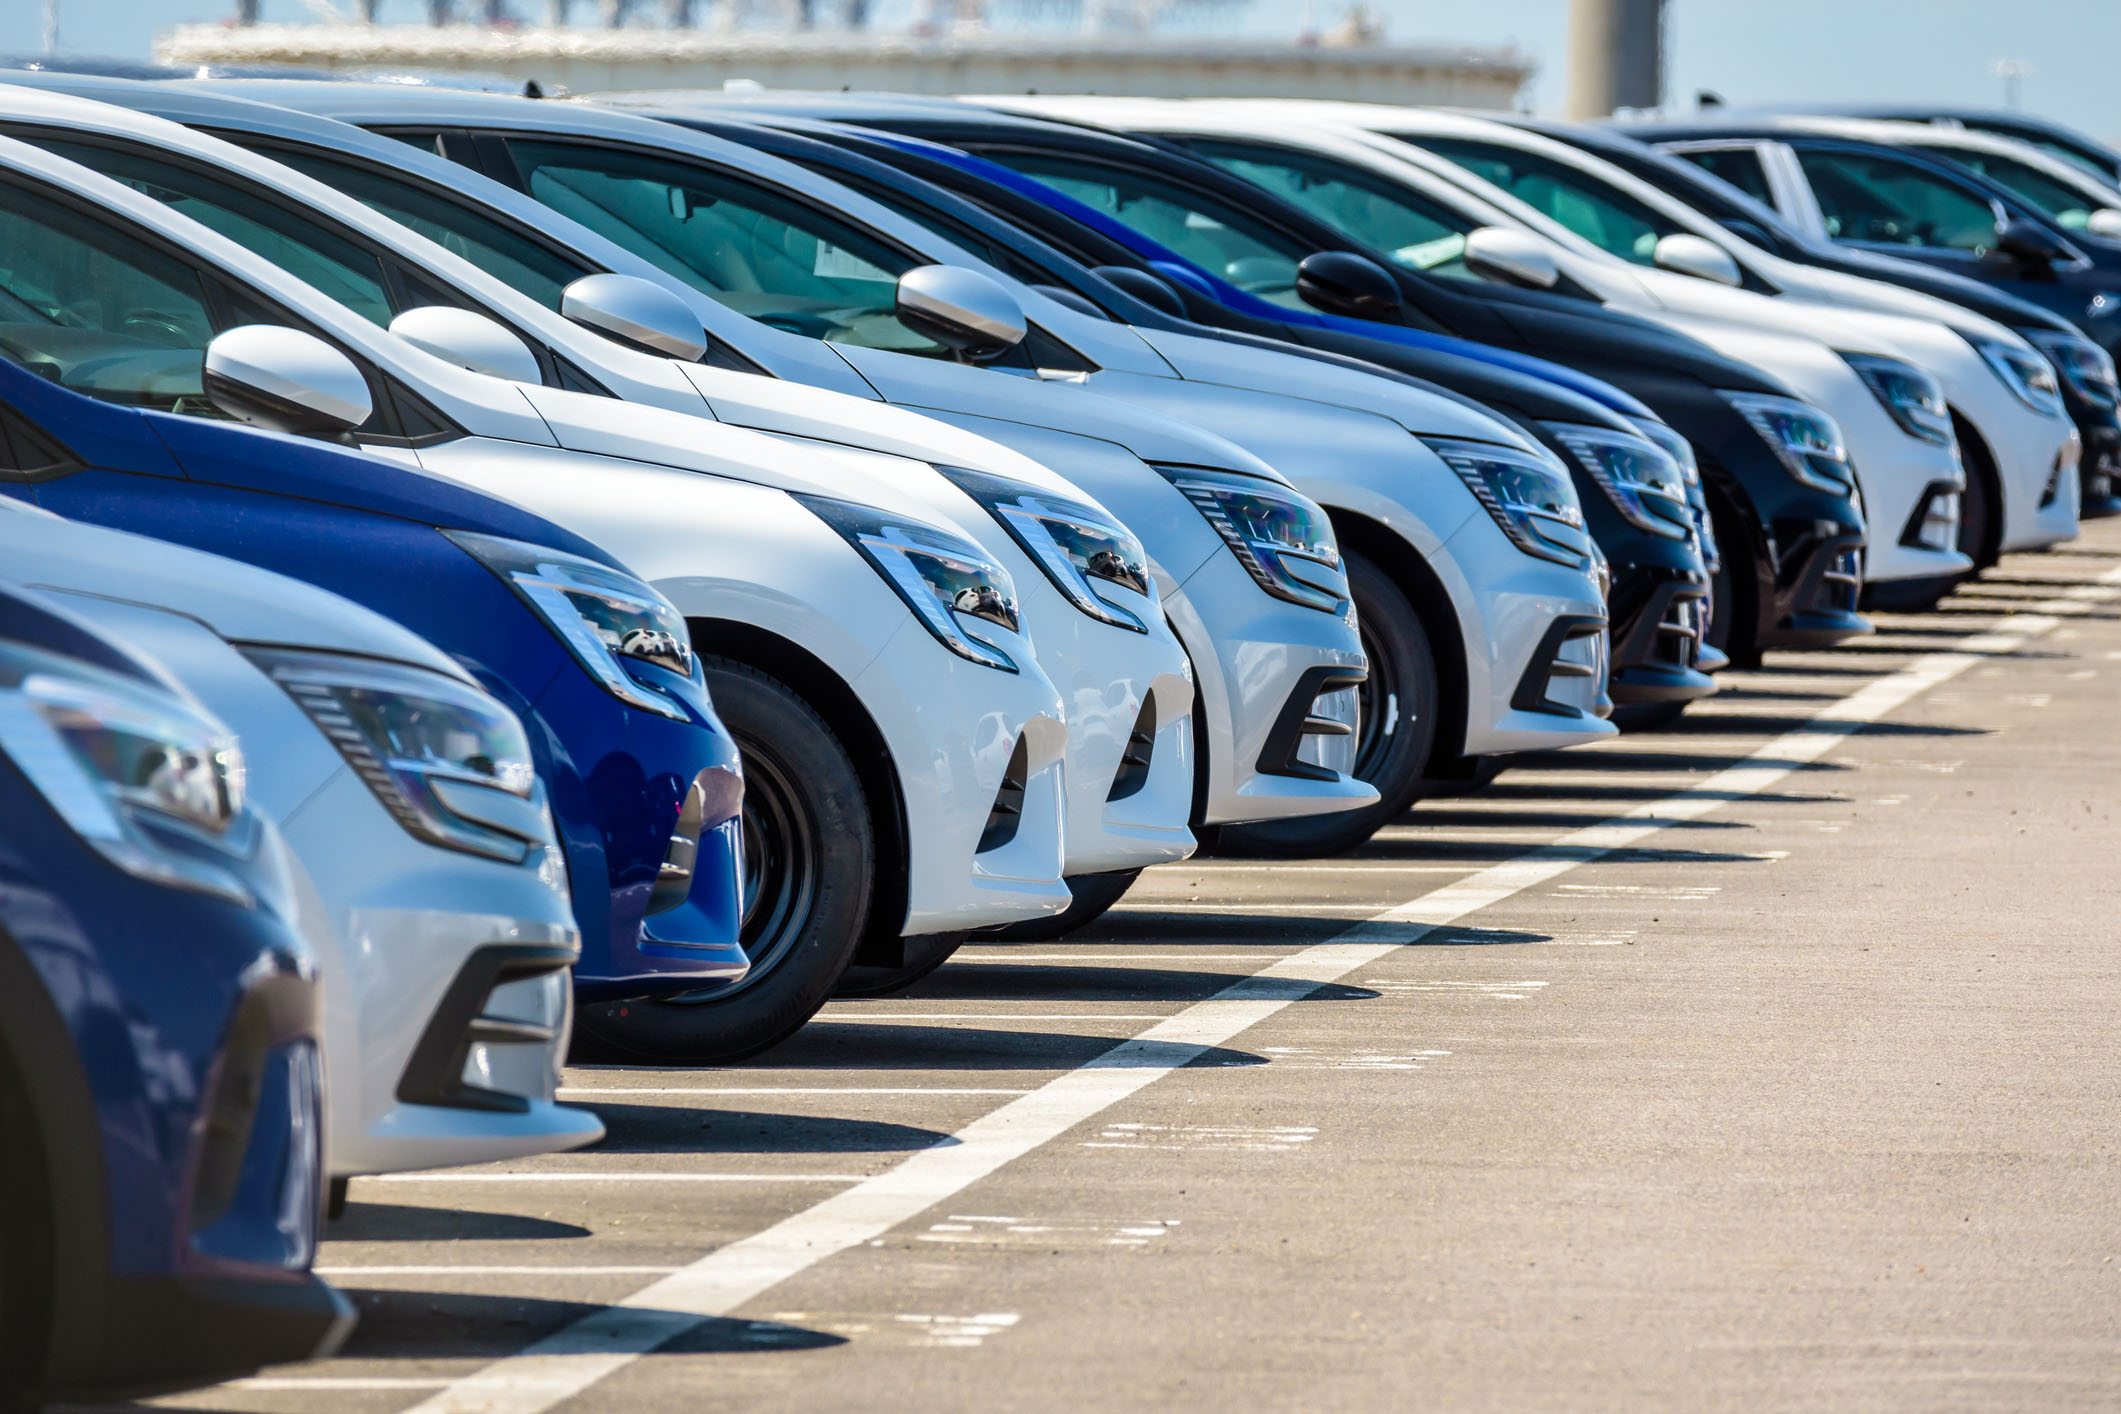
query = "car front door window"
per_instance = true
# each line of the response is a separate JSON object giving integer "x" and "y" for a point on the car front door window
{"x": 1875, "y": 200}
{"x": 1416, "y": 234}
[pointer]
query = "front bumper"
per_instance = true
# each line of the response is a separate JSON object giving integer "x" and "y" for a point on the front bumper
{"x": 1910, "y": 490}
{"x": 2099, "y": 469}
{"x": 1253, "y": 657}
{"x": 1817, "y": 568}
{"x": 2054, "y": 517}
{"x": 953, "y": 729}
{"x": 395, "y": 924}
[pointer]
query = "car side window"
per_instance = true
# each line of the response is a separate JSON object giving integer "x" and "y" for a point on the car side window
{"x": 2058, "y": 200}
{"x": 1877, "y": 200}
{"x": 1417, "y": 234}
{"x": 302, "y": 247}
{"x": 761, "y": 252}
{"x": 1739, "y": 166}
{"x": 96, "y": 310}
{"x": 1611, "y": 220}
{"x": 27, "y": 453}
{"x": 529, "y": 266}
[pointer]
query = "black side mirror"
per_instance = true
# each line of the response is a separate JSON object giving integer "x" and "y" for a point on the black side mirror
{"x": 1151, "y": 289}
{"x": 1342, "y": 282}
{"x": 2029, "y": 246}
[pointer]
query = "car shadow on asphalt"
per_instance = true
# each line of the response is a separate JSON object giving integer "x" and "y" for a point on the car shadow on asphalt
{"x": 1544, "y": 819}
{"x": 395, "y": 1222}
{"x": 431, "y": 1325}
{"x": 1491, "y": 851}
{"x": 998, "y": 980}
{"x": 853, "y": 1046}
{"x": 1621, "y": 762}
{"x": 678, "y": 1128}
{"x": 1503, "y": 790}
{"x": 1767, "y": 724}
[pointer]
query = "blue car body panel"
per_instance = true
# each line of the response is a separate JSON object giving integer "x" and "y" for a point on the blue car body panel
{"x": 370, "y": 529}
{"x": 159, "y": 1101}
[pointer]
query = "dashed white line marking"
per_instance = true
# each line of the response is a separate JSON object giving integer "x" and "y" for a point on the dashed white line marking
{"x": 1220, "y": 1137}
{"x": 1306, "y": 1058}
{"x": 962, "y": 1229}
{"x": 1502, "y": 991}
{"x": 572, "y": 1359}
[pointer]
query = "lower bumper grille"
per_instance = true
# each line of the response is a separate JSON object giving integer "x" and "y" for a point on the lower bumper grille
{"x": 435, "y": 1074}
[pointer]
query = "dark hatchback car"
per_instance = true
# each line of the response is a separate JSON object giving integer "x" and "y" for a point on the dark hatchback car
{"x": 161, "y": 1162}
{"x": 1635, "y": 506}
{"x": 1790, "y": 550}
{"x": 1730, "y": 187}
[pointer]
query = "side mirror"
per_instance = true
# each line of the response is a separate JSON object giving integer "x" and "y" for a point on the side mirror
{"x": 2028, "y": 245}
{"x": 2104, "y": 223}
{"x": 1342, "y": 282}
{"x": 470, "y": 340}
{"x": 1701, "y": 258}
{"x": 1152, "y": 290}
{"x": 286, "y": 381}
{"x": 1512, "y": 258}
{"x": 960, "y": 309}
{"x": 636, "y": 312}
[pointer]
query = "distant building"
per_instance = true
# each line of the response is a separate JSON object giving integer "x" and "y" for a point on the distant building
{"x": 1351, "y": 63}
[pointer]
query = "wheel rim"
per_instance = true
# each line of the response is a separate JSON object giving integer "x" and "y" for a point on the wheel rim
{"x": 780, "y": 874}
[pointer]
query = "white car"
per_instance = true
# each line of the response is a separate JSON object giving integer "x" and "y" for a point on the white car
{"x": 445, "y": 985}
{"x": 1513, "y": 636}
{"x": 1837, "y": 337}
{"x": 903, "y": 747}
{"x": 1083, "y": 577}
{"x": 1260, "y": 659}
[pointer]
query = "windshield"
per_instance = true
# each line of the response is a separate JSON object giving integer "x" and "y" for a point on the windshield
{"x": 2063, "y": 203}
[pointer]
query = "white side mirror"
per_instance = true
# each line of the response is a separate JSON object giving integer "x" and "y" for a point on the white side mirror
{"x": 637, "y": 312}
{"x": 1512, "y": 257}
{"x": 2104, "y": 223}
{"x": 960, "y": 309}
{"x": 283, "y": 379}
{"x": 469, "y": 340}
{"x": 1699, "y": 257}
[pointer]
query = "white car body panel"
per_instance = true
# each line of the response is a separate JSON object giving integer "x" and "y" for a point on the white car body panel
{"x": 617, "y": 474}
{"x": 391, "y": 918}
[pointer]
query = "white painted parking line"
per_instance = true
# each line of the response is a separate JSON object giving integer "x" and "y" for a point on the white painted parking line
{"x": 574, "y": 1358}
{"x": 1183, "y": 906}
{"x": 924, "y": 1018}
{"x": 355, "y": 1273}
{"x": 614, "y": 1176}
{"x": 590, "y": 1092}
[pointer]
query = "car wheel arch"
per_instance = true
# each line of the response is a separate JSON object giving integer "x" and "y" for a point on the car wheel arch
{"x": 1410, "y": 570}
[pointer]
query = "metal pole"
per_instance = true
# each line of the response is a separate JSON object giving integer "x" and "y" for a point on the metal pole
{"x": 51, "y": 26}
{"x": 1616, "y": 56}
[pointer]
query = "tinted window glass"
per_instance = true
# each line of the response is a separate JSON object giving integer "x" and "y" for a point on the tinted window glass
{"x": 1204, "y": 230}
{"x": 2063, "y": 203}
{"x": 1611, "y": 220}
{"x": 301, "y": 246}
{"x": 98, "y": 311}
{"x": 1882, "y": 201}
{"x": 1740, "y": 166}
{"x": 756, "y": 250}
{"x": 1418, "y": 234}
{"x": 526, "y": 265}
{"x": 2099, "y": 164}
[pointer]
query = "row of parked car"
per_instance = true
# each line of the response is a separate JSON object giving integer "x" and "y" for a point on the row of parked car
{"x": 483, "y": 576}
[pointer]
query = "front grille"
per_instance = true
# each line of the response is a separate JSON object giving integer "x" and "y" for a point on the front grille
{"x": 1934, "y": 523}
{"x": 1278, "y": 755}
{"x": 435, "y": 1074}
{"x": 1841, "y": 584}
{"x": 1561, "y": 655}
{"x": 1679, "y": 632}
{"x": 1008, "y": 810}
{"x": 2049, "y": 492}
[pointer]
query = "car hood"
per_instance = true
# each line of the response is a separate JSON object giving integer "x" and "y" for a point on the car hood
{"x": 238, "y": 602}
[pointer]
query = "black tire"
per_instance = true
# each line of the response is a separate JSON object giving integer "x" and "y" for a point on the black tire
{"x": 1980, "y": 521}
{"x": 923, "y": 955}
{"x": 1394, "y": 739}
{"x": 26, "y": 1256}
{"x": 1647, "y": 716}
{"x": 811, "y": 862}
{"x": 1092, "y": 895}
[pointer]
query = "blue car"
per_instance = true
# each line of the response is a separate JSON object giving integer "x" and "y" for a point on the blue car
{"x": 643, "y": 778}
{"x": 161, "y": 1159}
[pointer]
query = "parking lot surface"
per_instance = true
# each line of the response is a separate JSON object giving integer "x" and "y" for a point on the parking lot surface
{"x": 1769, "y": 1062}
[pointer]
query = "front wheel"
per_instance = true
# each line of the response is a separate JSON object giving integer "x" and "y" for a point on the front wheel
{"x": 1395, "y": 735}
{"x": 811, "y": 862}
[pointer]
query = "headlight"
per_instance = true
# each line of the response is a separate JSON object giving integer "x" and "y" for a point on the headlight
{"x": 2024, "y": 373}
{"x": 950, "y": 583}
{"x": 1805, "y": 440}
{"x": 1530, "y": 497}
{"x": 1915, "y": 399}
{"x": 1282, "y": 537}
{"x": 1085, "y": 552}
{"x": 124, "y": 764}
{"x": 449, "y": 762}
{"x": 1643, "y": 482}
{"x": 1680, "y": 450}
{"x": 2083, "y": 364}
{"x": 605, "y": 618}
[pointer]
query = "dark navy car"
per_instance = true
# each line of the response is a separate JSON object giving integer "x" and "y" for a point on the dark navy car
{"x": 161, "y": 1136}
{"x": 643, "y": 778}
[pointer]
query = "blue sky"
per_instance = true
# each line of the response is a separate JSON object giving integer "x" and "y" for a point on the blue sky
{"x": 1792, "y": 49}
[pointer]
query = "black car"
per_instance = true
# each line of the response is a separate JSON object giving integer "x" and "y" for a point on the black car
{"x": 2093, "y": 399}
{"x": 1659, "y": 572}
{"x": 1790, "y": 551}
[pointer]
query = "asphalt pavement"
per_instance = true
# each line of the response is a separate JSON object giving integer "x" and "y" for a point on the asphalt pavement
{"x": 1769, "y": 1062}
